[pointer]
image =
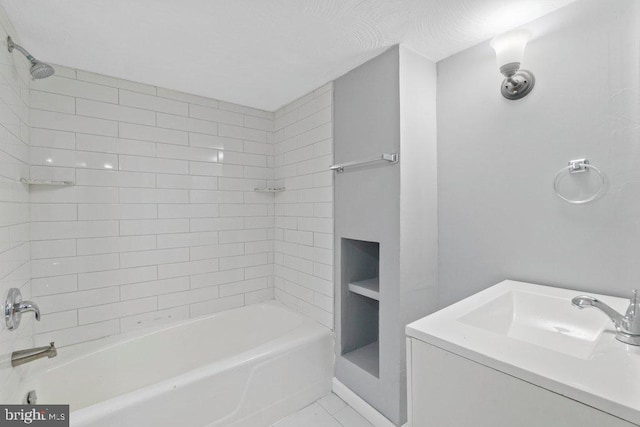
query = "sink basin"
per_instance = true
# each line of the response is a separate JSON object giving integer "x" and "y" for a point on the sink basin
{"x": 534, "y": 333}
{"x": 542, "y": 320}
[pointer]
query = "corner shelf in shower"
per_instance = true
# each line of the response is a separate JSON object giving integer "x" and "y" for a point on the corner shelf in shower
{"x": 369, "y": 288}
{"x": 46, "y": 182}
{"x": 269, "y": 190}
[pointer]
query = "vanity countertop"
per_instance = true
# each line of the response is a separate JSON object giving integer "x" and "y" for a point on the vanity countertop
{"x": 533, "y": 332}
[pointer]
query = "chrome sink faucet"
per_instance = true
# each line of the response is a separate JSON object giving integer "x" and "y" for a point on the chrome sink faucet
{"x": 627, "y": 326}
{"x": 21, "y": 357}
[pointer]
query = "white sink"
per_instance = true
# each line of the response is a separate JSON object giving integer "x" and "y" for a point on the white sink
{"x": 542, "y": 320}
{"x": 534, "y": 333}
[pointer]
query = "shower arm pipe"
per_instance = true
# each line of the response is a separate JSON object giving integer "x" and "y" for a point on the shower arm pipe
{"x": 12, "y": 45}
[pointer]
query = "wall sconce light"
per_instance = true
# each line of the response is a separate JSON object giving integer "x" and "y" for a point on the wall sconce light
{"x": 509, "y": 49}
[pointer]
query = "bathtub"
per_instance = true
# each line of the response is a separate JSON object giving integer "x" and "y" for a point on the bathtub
{"x": 249, "y": 366}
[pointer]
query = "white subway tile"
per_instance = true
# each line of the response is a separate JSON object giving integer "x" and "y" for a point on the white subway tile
{"x": 206, "y": 196}
{"x": 54, "y": 285}
{"x": 188, "y": 124}
{"x": 106, "y": 144}
{"x": 187, "y": 297}
{"x": 153, "y": 226}
{"x": 113, "y": 311}
{"x": 68, "y": 122}
{"x": 216, "y": 305}
{"x": 243, "y": 286}
{"x": 52, "y": 173}
{"x": 188, "y": 211}
{"x": 215, "y": 142}
{"x": 256, "y": 297}
{"x": 53, "y": 212}
{"x": 242, "y": 236}
{"x": 116, "y": 211}
{"x": 187, "y": 182}
{"x": 73, "y": 229}
{"x": 242, "y": 133}
{"x": 76, "y": 88}
{"x": 73, "y": 265}
{"x": 229, "y": 263}
{"x": 258, "y": 123}
{"x": 53, "y": 248}
{"x": 154, "y": 318}
{"x": 217, "y": 278}
{"x": 115, "y": 82}
{"x": 183, "y": 240}
{"x": 215, "y": 251}
{"x": 245, "y": 110}
{"x": 187, "y": 153}
{"x": 75, "y": 300}
{"x": 156, "y": 287}
{"x": 52, "y": 102}
{"x": 147, "y": 164}
{"x": 105, "y": 279}
{"x": 265, "y": 270}
{"x": 187, "y": 268}
{"x": 103, "y": 110}
{"x": 154, "y": 134}
{"x": 216, "y": 169}
{"x": 153, "y": 257}
{"x": 111, "y": 178}
{"x": 105, "y": 245}
{"x": 215, "y": 115}
{"x": 215, "y": 224}
{"x": 56, "y": 321}
{"x": 187, "y": 97}
{"x": 154, "y": 103}
{"x": 52, "y": 138}
{"x": 137, "y": 195}
{"x": 75, "y": 159}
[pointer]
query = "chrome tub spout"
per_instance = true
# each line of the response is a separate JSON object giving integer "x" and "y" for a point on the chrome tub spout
{"x": 21, "y": 357}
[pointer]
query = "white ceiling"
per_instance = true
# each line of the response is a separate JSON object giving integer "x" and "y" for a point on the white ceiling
{"x": 260, "y": 53}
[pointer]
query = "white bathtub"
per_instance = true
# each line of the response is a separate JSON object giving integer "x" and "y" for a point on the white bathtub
{"x": 244, "y": 367}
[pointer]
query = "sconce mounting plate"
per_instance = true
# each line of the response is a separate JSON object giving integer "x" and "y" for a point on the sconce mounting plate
{"x": 518, "y": 85}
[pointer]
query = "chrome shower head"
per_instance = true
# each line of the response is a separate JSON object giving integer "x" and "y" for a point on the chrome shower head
{"x": 39, "y": 70}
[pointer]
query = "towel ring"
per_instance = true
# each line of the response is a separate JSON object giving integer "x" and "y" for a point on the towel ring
{"x": 578, "y": 166}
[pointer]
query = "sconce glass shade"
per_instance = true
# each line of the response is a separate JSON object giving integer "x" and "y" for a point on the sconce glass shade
{"x": 509, "y": 49}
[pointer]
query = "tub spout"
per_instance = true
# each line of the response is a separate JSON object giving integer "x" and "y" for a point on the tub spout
{"x": 21, "y": 357}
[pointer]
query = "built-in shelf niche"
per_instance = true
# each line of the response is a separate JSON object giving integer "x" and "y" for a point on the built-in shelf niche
{"x": 361, "y": 303}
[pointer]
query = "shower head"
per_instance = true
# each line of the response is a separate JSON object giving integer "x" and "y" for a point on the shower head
{"x": 39, "y": 70}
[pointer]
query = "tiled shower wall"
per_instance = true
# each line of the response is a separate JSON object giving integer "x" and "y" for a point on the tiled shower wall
{"x": 163, "y": 222}
{"x": 14, "y": 197}
{"x": 304, "y": 212}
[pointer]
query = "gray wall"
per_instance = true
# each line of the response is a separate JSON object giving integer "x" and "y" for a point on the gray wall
{"x": 498, "y": 215}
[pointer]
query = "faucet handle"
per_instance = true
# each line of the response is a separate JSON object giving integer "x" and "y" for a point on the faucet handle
{"x": 634, "y": 307}
{"x": 26, "y": 306}
{"x": 14, "y": 307}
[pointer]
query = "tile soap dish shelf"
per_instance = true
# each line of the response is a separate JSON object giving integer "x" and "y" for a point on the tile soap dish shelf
{"x": 46, "y": 182}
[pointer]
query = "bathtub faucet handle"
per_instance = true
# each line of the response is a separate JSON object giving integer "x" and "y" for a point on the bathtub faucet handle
{"x": 14, "y": 307}
{"x": 27, "y": 306}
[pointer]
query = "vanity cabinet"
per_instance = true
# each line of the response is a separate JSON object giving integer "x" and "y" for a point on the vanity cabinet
{"x": 447, "y": 390}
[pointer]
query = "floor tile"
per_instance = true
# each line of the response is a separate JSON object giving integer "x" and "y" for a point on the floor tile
{"x": 311, "y": 416}
{"x": 332, "y": 403}
{"x": 347, "y": 417}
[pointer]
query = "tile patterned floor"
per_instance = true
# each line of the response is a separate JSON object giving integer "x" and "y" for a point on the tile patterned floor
{"x": 330, "y": 411}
